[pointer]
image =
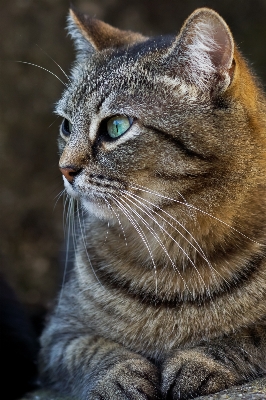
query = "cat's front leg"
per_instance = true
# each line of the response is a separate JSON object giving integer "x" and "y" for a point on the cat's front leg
{"x": 215, "y": 366}
{"x": 191, "y": 373}
{"x": 129, "y": 377}
{"x": 91, "y": 367}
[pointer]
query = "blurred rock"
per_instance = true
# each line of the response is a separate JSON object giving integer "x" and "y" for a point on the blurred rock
{"x": 252, "y": 391}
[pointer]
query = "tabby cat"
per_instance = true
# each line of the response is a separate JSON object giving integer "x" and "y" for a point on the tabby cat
{"x": 163, "y": 146}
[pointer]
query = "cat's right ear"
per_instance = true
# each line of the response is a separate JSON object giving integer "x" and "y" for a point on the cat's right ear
{"x": 91, "y": 35}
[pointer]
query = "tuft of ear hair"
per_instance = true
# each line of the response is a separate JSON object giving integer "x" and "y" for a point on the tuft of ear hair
{"x": 204, "y": 50}
{"x": 91, "y": 35}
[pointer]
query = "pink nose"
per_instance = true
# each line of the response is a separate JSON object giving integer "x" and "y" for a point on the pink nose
{"x": 69, "y": 173}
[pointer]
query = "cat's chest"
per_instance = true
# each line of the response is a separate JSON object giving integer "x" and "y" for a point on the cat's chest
{"x": 150, "y": 328}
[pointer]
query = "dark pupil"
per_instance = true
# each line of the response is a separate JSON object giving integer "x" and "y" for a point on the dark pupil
{"x": 66, "y": 127}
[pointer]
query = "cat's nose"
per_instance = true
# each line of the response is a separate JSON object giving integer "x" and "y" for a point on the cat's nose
{"x": 70, "y": 172}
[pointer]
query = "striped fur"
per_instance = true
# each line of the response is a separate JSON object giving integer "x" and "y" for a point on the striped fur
{"x": 167, "y": 299}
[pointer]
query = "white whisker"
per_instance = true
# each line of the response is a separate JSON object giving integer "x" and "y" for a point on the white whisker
{"x": 54, "y": 62}
{"x": 57, "y": 197}
{"x": 67, "y": 200}
{"x": 139, "y": 187}
{"x": 198, "y": 250}
{"x": 117, "y": 217}
{"x": 53, "y": 122}
{"x": 157, "y": 238}
{"x": 45, "y": 69}
{"x": 141, "y": 234}
{"x": 86, "y": 250}
{"x": 168, "y": 234}
{"x": 68, "y": 223}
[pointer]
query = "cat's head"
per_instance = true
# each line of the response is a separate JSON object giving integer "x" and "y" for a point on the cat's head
{"x": 166, "y": 115}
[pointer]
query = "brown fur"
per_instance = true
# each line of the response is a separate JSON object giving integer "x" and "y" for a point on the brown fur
{"x": 101, "y": 35}
{"x": 167, "y": 297}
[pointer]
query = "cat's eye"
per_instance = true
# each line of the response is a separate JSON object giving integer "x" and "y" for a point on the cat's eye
{"x": 66, "y": 128}
{"x": 118, "y": 125}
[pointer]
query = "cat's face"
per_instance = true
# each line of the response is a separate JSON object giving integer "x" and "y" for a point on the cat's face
{"x": 152, "y": 115}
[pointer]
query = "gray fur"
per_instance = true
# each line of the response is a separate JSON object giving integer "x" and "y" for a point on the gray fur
{"x": 167, "y": 297}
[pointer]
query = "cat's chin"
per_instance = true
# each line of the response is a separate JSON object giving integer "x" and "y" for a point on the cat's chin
{"x": 98, "y": 208}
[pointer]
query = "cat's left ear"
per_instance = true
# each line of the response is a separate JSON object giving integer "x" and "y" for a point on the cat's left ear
{"x": 204, "y": 50}
{"x": 92, "y": 35}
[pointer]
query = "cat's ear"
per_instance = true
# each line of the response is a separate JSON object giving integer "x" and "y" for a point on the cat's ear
{"x": 204, "y": 50}
{"x": 90, "y": 34}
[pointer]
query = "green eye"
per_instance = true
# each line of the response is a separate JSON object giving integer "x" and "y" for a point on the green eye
{"x": 118, "y": 125}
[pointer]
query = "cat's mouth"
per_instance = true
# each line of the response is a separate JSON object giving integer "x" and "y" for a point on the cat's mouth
{"x": 93, "y": 186}
{"x": 98, "y": 195}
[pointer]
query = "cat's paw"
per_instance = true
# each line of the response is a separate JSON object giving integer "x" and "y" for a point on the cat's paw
{"x": 191, "y": 373}
{"x": 135, "y": 379}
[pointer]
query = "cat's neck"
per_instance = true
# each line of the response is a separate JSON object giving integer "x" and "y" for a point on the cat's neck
{"x": 165, "y": 258}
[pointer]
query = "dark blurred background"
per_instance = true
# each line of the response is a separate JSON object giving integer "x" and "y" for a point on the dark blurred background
{"x": 31, "y": 231}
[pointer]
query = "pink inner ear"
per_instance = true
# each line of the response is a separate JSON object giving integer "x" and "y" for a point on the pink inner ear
{"x": 205, "y": 49}
{"x": 222, "y": 56}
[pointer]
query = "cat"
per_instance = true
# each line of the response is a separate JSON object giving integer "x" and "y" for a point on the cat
{"x": 163, "y": 147}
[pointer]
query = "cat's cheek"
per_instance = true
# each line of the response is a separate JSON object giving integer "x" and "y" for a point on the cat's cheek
{"x": 69, "y": 189}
